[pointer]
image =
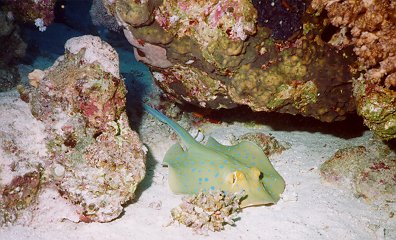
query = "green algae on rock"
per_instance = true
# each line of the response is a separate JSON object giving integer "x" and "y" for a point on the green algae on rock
{"x": 219, "y": 41}
{"x": 192, "y": 85}
{"x": 377, "y": 106}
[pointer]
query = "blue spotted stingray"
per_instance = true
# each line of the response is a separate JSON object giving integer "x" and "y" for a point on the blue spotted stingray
{"x": 214, "y": 166}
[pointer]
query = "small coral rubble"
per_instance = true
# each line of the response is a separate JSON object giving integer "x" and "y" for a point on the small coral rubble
{"x": 208, "y": 211}
{"x": 95, "y": 159}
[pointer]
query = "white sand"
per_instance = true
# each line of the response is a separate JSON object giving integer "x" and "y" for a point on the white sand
{"x": 309, "y": 209}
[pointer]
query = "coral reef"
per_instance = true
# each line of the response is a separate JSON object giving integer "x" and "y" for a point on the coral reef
{"x": 95, "y": 159}
{"x": 368, "y": 170}
{"x": 39, "y": 12}
{"x": 200, "y": 89}
{"x": 369, "y": 26}
{"x": 12, "y": 49}
{"x": 208, "y": 211}
{"x": 221, "y": 54}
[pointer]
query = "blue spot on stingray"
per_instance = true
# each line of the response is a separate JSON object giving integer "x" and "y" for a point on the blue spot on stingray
{"x": 211, "y": 162}
{"x": 246, "y": 156}
{"x": 221, "y": 166}
{"x": 193, "y": 170}
{"x": 212, "y": 188}
{"x": 199, "y": 171}
{"x": 216, "y": 175}
{"x": 206, "y": 179}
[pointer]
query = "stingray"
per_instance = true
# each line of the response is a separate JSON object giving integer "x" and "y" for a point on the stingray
{"x": 213, "y": 166}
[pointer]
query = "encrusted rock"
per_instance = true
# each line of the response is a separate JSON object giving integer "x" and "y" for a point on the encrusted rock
{"x": 95, "y": 159}
{"x": 371, "y": 29}
{"x": 266, "y": 142}
{"x": 222, "y": 53}
{"x": 208, "y": 211}
{"x": 17, "y": 195}
{"x": 368, "y": 170}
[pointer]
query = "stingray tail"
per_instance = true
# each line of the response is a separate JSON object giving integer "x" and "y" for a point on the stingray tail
{"x": 184, "y": 135}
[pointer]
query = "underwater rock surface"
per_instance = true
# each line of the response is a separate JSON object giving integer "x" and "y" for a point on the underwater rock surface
{"x": 220, "y": 54}
{"x": 369, "y": 171}
{"x": 12, "y": 49}
{"x": 95, "y": 159}
{"x": 266, "y": 142}
{"x": 370, "y": 27}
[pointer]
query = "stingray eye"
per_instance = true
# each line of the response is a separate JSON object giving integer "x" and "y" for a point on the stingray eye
{"x": 256, "y": 172}
{"x": 235, "y": 177}
{"x": 238, "y": 175}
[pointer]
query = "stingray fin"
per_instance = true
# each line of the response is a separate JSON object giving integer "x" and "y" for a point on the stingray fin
{"x": 177, "y": 161}
{"x": 213, "y": 144}
{"x": 174, "y": 155}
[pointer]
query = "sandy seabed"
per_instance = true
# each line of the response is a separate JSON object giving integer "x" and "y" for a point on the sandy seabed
{"x": 309, "y": 208}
